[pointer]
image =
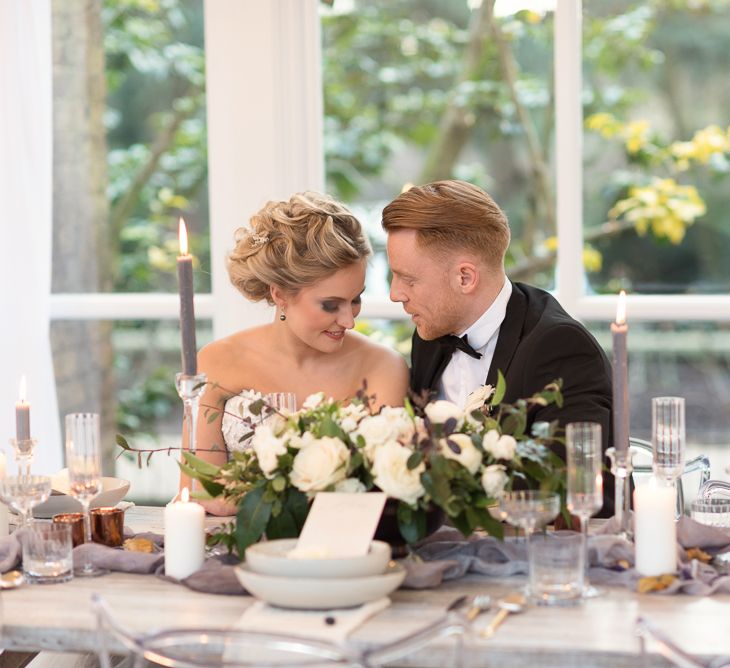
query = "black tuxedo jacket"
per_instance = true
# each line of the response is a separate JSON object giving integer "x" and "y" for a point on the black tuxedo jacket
{"x": 538, "y": 342}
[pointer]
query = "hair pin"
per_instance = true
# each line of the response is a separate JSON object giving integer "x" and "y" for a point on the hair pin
{"x": 259, "y": 239}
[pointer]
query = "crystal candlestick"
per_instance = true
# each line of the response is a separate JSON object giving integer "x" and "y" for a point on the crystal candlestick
{"x": 23, "y": 451}
{"x": 190, "y": 389}
{"x": 621, "y": 467}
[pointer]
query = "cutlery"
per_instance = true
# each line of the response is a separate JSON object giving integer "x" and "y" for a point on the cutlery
{"x": 512, "y": 603}
{"x": 457, "y": 603}
{"x": 479, "y": 604}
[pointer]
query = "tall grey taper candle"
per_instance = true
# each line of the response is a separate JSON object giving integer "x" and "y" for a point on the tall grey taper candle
{"x": 619, "y": 332}
{"x": 22, "y": 415}
{"x": 187, "y": 310}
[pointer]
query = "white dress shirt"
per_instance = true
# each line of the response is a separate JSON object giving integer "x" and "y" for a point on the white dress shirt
{"x": 464, "y": 373}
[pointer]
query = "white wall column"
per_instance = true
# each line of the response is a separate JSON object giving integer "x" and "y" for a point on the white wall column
{"x": 264, "y": 93}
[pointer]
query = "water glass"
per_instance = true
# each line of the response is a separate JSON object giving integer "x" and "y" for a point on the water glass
{"x": 282, "y": 402}
{"x": 556, "y": 568}
{"x": 47, "y": 552}
{"x": 668, "y": 436}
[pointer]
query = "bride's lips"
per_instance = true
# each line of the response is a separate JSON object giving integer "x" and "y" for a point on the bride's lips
{"x": 336, "y": 336}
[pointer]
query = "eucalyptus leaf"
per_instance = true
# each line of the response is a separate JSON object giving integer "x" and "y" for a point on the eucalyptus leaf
{"x": 251, "y": 519}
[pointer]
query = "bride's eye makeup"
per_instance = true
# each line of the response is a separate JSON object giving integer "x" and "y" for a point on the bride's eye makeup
{"x": 332, "y": 305}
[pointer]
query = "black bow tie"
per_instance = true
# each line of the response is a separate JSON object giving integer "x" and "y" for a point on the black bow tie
{"x": 453, "y": 343}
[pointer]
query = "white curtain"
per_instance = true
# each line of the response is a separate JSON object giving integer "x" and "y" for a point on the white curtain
{"x": 26, "y": 201}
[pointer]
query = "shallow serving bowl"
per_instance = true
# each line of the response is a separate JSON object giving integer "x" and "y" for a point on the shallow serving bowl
{"x": 270, "y": 558}
{"x": 320, "y": 593}
{"x": 113, "y": 491}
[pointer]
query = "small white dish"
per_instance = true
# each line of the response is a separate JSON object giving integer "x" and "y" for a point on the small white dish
{"x": 271, "y": 558}
{"x": 320, "y": 593}
{"x": 113, "y": 491}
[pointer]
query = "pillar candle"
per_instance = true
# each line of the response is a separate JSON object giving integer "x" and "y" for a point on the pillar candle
{"x": 184, "y": 537}
{"x": 187, "y": 309}
{"x": 619, "y": 333}
{"x": 4, "y": 514}
{"x": 655, "y": 530}
{"x": 22, "y": 415}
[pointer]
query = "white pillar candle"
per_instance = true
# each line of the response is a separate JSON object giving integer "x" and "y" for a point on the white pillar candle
{"x": 655, "y": 531}
{"x": 4, "y": 513}
{"x": 184, "y": 537}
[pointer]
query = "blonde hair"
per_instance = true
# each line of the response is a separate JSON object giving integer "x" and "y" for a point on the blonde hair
{"x": 295, "y": 244}
{"x": 452, "y": 215}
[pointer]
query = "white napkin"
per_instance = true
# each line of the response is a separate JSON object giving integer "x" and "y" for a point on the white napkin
{"x": 310, "y": 623}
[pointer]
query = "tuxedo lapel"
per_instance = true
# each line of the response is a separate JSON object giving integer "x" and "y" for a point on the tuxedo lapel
{"x": 509, "y": 334}
{"x": 429, "y": 360}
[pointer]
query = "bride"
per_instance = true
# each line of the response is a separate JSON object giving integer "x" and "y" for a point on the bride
{"x": 307, "y": 257}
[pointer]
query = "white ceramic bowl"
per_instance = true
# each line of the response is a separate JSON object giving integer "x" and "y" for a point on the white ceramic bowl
{"x": 113, "y": 491}
{"x": 320, "y": 593}
{"x": 270, "y": 558}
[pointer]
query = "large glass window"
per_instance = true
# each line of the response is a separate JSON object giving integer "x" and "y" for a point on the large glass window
{"x": 657, "y": 144}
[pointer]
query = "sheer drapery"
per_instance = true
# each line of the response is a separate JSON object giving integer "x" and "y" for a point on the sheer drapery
{"x": 26, "y": 202}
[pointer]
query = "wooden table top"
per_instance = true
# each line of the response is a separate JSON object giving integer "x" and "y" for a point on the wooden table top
{"x": 599, "y": 632}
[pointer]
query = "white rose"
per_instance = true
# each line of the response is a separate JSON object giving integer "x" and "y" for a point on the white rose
{"x": 440, "y": 411}
{"x": 350, "y": 486}
{"x": 298, "y": 442}
{"x": 494, "y": 480}
{"x": 391, "y": 424}
{"x": 313, "y": 401}
{"x": 320, "y": 464}
{"x": 469, "y": 457}
{"x": 268, "y": 448}
{"x": 391, "y": 473}
{"x": 478, "y": 398}
{"x": 351, "y": 415}
{"x": 500, "y": 447}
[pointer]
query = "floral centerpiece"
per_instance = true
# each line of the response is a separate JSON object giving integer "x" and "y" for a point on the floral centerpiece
{"x": 422, "y": 455}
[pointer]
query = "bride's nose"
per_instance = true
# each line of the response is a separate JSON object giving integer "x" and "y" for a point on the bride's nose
{"x": 346, "y": 318}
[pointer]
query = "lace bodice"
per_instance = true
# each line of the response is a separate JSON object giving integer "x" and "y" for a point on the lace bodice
{"x": 237, "y": 420}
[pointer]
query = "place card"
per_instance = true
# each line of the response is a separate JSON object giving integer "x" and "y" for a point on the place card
{"x": 340, "y": 525}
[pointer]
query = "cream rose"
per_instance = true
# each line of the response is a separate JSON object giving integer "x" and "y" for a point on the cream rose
{"x": 494, "y": 480}
{"x": 351, "y": 415}
{"x": 440, "y": 411}
{"x": 469, "y": 457}
{"x": 478, "y": 398}
{"x": 391, "y": 473}
{"x": 312, "y": 401}
{"x": 500, "y": 447}
{"x": 350, "y": 486}
{"x": 320, "y": 464}
{"x": 268, "y": 447}
{"x": 391, "y": 424}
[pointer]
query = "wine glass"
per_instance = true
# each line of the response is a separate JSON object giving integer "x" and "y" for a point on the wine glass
{"x": 83, "y": 458}
{"x": 668, "y": 436}
{"x": 585, "y": 482}
{"x": 529, "y": 510}
{"x": 282, "y": 402}
{"x": 23, "y": 492}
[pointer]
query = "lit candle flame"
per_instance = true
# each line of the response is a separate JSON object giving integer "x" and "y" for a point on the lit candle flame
{"x": 185, "y": 495}
{"x": 22, "y": 390}
{"x": 621, "y": 308}
{"x": 183, "y": 237}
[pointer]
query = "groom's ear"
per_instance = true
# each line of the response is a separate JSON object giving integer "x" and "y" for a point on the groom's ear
{"x": 468, "y": 277}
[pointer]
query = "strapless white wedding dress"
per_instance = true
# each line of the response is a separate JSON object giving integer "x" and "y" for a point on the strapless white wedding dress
{"x": 237, "y": 420}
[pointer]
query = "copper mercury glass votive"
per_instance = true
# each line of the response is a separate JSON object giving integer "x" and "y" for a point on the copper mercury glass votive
{"x": 76, "y": 522}
{"x": 107, "y": 526}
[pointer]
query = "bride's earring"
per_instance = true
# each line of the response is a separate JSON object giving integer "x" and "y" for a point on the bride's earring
{"x": 282, "y": 317}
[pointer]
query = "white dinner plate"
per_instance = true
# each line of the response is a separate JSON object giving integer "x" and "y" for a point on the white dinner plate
{"x": 113, "y": 491}
{"x": 270, "y": 558}
{"x": 320, "y": 593}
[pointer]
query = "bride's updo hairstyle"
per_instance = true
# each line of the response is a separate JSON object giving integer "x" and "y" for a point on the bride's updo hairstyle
{"x": 294, "y": 244}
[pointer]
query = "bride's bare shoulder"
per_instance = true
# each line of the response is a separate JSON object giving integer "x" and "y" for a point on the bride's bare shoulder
{"x": 373, "y": 352}
{"x": 231, "y": 351}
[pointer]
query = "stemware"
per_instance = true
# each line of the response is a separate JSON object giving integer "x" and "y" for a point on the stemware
{"x": 23, "y": 492}
{"x": 585, "y": 482}
{"x": 83, "y": 458}
{"x": 668, "y": 437}
{"x": 282, "y": 402}
{"x": 529, "y": 510}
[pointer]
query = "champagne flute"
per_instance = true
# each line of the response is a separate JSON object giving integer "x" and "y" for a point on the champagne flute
{"x": 83, "y": 458}
{"x": 585, "y": 482}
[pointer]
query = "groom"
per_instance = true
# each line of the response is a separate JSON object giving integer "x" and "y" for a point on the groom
{"x": 446, "y": 247}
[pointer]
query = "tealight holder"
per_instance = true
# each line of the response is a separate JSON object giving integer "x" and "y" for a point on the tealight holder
{"x": 190, "y": 389}
{"x": 23, "y": 450}
{"x": 622, "y": 467}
